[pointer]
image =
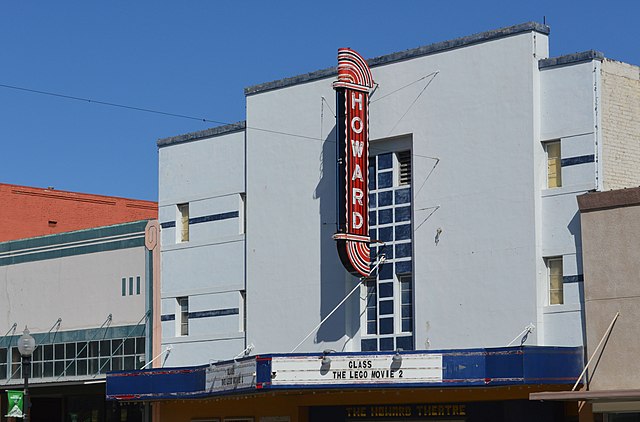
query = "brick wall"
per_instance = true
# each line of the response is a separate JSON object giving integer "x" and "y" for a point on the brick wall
{"x": 620, "y": 124}
{"x": 29, "y": 212}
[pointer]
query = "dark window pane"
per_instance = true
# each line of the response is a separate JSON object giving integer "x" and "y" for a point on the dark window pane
{"x": 372, "y": 218}
{"x": 386, "y": 344}
{"x": 403, "y": 232}
{"x": 82, "y": 367}
{"x": 37, "y": 354}
{"x": 48, "y": 369}
{"x": 48, "y": 352}
{"x": 140, "y": 345}
{"x": 129, "y": 363}
{"x": 83, "y": 350}
{"x": 58, "y": 352}
{"x": 373, "y": 234}
{"x": 36, "y": 370}
{"x": 369, "y": 345}
{"x": 71, "y": 368}
{"x": 385, "y": 271}
{"x": 405, "y": 343}
{"x": 371, "y": 327}
{"x": 116, "y": 347}
{"x": 372, "y": 178}
{"x": 403, "y": 250}
{"x": 70, "y": 350}
{"x": 58, "y": 367}
{"x": 403, "y": 196}
{"x": 406, "y": 311}
{"x": 129, "y": 346}
{"x": 386, "y": 290}
{"x": 105, "y": 348}
{"x": 403, "y": 267}
{"x": 385, "y": 161}
{"x": 386, "y": 326}
{"x": 407, "y": 325}
{"x": 93, "y": 349}
{"x": 371, "y": 314}
{"x": 385, "y": 216}
{"x": 93, "y": 366}
{"x": 373, "y": 254}
{"x": 403, "y": 214}
{"x": 385, "y": 180}
{"x": 387, "y": 251}
{"x": 385, "y": 199}
{"x": 386, "y": 307}
{"x": 372, "y": 200}
{"x": 385, "y": 234}
{"x": 106, "y": 363}
{"x": 116, "y": 364}
{"x": 406, "y": 297}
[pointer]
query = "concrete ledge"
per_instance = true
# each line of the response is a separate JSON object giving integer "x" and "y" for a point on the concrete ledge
{"x": 585, "y": 56}
{"x": 201, "y": 134}
{"x": 594, "y": 201}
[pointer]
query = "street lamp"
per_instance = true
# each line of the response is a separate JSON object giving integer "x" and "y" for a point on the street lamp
{"x": 26, "y": 346}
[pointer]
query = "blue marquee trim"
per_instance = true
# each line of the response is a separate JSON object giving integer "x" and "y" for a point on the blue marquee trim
{"x": 520, "y": 365}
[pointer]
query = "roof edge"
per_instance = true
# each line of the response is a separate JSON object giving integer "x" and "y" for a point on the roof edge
{"x": 584, "y": 56}
{"x": 595, "y": 201}
{"x": 406, "y": 55}
{"x": 201, "y": 134}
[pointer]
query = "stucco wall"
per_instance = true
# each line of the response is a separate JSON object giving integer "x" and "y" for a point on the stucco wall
{"x": 208, "y": 269}
{"x": 612, "y": 270}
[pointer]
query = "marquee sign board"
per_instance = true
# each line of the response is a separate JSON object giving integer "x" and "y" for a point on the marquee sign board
{"x": 352, "y": 139}
{"x": 419, "y": 368}
{"x": 228, "y": 377}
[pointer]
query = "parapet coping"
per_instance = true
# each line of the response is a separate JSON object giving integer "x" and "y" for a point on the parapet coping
{"x": 568, "y": 59}
{"x": 406, "y": 55}
{"x": 206, "y": 133}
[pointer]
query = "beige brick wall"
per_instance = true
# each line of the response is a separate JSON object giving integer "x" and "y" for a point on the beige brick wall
{"x": 620, "y": 124}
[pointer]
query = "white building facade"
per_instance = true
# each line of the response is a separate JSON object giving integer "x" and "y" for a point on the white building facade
{"x": 479, "y": 147}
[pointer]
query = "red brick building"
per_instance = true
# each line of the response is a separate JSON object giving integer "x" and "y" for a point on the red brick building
{"x": 29, "y": 212}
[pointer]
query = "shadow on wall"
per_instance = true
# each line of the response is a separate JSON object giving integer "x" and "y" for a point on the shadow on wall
{"x": 574, "y": 228}
{"x": 333, "y": 276}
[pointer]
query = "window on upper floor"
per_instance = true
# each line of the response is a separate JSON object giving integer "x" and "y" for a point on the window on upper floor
{"x": 554, "y": 168}
{"x": 183, "y": 320}
{"x": 555, "y": 283}
{"x": 404, "y": 167}
{"x": 183, "y": 223}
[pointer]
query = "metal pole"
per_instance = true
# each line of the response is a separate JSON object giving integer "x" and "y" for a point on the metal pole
{"x": 26, "y": 365}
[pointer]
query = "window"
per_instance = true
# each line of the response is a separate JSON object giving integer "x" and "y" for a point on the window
{"x": 183, "y": 304}
{"x": 554, "y": 169}
{"x": 3, "y": 363}
{"x": 242, "y": 211}
{"x": 387, "y": 299}
{"x": 554, "y": 274}
{"x": 183, "y": 226}
{"x": 406, "y": 303}
{"x": 404, "y": 167}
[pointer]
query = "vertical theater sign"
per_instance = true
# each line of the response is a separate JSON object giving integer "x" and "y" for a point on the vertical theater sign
{"x": 352, "y": 132}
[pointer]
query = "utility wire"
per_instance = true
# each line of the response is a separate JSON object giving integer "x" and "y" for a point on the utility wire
{"x": 88, "y": 100}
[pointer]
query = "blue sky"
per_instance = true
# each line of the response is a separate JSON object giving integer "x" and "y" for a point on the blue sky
{"x": 195, "y": 58}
